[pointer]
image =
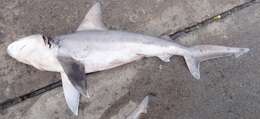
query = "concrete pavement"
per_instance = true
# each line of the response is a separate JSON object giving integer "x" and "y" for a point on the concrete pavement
{"x": 228, "y": 87}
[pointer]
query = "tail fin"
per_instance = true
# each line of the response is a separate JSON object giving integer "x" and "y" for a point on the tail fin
{"x": 205, "y": 52}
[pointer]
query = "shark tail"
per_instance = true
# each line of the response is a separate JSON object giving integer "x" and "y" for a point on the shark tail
{"x": 202, "y": 53}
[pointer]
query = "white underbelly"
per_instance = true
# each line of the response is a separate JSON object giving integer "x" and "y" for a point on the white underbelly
{"x": 106, "y": 60}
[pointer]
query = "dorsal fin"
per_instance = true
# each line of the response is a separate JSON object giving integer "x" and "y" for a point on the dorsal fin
{"x": 93, "y": 19}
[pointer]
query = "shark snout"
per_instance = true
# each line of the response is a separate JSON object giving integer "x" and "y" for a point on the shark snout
{"x": 18, "y": 47}
{"x": 12, "y": 50}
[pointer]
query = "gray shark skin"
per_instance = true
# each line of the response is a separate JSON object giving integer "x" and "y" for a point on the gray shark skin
{"x": 95, "y": 48}
{"x": 113, "y": 47}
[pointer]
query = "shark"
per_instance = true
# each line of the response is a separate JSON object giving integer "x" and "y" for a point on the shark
{"x": 93, "y": 47}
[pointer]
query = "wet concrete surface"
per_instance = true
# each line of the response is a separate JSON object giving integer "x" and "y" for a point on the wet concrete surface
{"x": 229, "y": 87}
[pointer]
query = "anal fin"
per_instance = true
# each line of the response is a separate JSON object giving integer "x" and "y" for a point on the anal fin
{"x": 165, "y": 57}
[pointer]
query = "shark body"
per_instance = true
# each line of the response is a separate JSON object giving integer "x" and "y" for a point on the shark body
{"x": 101, "y": 50}
{"x": 95, "y": 48}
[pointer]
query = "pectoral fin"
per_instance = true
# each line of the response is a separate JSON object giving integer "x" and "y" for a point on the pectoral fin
{"x": 71, "y": 94}
{"x": 75, "y": 72}
{"x": 93, "y": 19}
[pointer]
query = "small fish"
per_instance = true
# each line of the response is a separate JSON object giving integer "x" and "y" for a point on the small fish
{"x": 95, "y": 48}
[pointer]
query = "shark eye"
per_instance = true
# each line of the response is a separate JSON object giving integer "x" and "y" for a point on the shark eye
{"x": 46, "y": 40}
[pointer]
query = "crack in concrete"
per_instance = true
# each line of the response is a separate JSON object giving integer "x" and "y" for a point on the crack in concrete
{"x": 13, "y": 101}
{"x": 211, "y": 19}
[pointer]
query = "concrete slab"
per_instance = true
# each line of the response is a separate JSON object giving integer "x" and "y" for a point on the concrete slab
{"x": 162, "y": 16}
{"x": 178, "y": 95}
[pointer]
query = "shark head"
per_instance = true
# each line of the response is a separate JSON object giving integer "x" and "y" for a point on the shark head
{"x": 30, "y": 50}
{"x": 24, "y": 47}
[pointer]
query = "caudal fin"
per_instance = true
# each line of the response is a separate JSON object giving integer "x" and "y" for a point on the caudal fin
{"x": 205, "y": 52}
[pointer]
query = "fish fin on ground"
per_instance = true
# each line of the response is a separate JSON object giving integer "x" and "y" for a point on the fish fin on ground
{"x": 202, "y": 53}
{"x": 93, "y": 19}
{"x": 71, "y": 94}
{"x": 141, "y": 109}
{"x": 75, "y": 72}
